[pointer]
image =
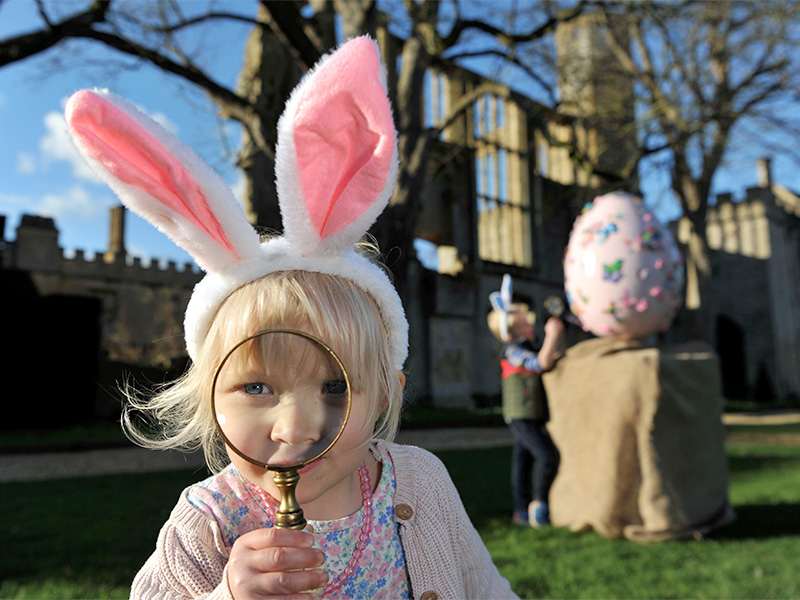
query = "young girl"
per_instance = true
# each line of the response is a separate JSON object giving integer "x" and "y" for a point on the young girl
{"x": 385, "y": 520}
{"x": 524, "y": 403}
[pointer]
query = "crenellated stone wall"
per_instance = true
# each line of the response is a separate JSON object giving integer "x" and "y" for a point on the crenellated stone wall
{"x": 755, "y": 289}
{"x": 141, "y": 306}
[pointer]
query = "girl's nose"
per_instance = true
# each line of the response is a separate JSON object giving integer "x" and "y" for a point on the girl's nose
{"x": 297, "y": 421}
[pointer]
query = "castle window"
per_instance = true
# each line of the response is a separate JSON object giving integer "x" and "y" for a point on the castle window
{"x": 501, "y": 182}
{"x": 434, "y": 99}
{"x": 496, "y": 131}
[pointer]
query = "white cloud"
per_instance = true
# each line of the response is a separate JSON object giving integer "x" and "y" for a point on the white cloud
{"x": 76, "y": 201}
{"x": 162, "y": 120}
{"x": 14, "y": 201}
{"x": 57, "y": 146}
{"x": 26, "y": 163}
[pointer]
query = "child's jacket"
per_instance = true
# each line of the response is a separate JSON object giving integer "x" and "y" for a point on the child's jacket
{"x": 445, "y": 556}
{"x": 522, "y": 389}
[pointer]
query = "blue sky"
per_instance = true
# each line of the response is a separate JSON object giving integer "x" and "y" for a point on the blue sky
{"x": 41, "y": 174}
{"x": 40, "y": 171}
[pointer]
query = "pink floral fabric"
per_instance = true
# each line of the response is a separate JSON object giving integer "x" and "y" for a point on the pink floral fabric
{"x": 381, "y": 572}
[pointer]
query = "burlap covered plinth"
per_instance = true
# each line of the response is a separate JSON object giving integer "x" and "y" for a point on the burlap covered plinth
{"x": 641, "y": 439}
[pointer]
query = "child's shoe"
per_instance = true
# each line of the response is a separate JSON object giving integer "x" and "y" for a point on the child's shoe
{"x": 538, "y": 514}
{"x": 520, "y": 519}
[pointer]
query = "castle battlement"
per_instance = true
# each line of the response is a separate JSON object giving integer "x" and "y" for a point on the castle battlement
{"x": 141, "y": 305}
{"x": 36, "y": 251}
{"x": 129, "y": 268}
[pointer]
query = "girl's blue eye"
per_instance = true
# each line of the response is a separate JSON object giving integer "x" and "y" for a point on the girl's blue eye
{"x": 335, "y": 387}
{"x": 256, "y": 389}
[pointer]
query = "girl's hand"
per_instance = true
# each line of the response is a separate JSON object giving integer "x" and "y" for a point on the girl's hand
{"x": 554, "y": 326}
{"x": 268, "y": 563}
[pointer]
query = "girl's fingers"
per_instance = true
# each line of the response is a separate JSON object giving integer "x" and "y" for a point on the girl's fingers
{"x": 270, "y": 560}
{"x": 287, "y": 584}
{"x": 275, "y": 563}
{"x": 272, "y": 537}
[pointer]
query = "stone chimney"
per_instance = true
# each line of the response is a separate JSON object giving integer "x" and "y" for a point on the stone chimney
{"x": 36, "y": 248}
{"x": 763, "y": 173}
{"x": 116, "y": 236}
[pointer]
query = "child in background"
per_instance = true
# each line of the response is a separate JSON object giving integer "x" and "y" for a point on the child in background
{"x": 386, "y": 520}
{"x": 524, "y": 403}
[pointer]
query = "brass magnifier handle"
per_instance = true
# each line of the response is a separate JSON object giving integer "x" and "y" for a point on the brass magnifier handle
{"x": 289, "y": 514}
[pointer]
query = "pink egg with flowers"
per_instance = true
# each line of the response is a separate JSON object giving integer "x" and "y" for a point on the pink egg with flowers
{"x": 623, "y": 272}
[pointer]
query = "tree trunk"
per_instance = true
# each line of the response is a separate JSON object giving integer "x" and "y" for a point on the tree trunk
{"x": 358, "y": 16}
{"x": 694, "y": 199}
{"x": 395, "y": 229}
{"x": 267, "y": 78}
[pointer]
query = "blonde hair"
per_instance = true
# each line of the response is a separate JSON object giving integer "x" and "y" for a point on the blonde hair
{"x": 518, "y": 316}
{"x": 333, "y": 309}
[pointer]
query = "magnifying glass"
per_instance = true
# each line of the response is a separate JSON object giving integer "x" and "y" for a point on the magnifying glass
{"x": 556, "y": 307}
{"x": 281, "y": 399}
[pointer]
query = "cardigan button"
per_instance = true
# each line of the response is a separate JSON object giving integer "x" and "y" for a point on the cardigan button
{"x": 429, "y": 596}
{"x": 405, "y": 512}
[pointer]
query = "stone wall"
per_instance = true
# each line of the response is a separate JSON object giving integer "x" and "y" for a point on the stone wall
{"x": 141, "y": 307}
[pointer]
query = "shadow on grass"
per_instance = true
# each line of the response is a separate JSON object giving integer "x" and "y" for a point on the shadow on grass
{"x": 60, "y": 530}
{"x": 761, "y": 521}
{"x": 757, "y": 463}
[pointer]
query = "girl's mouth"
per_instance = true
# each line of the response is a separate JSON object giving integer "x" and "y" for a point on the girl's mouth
{"x": 310, "y": 466}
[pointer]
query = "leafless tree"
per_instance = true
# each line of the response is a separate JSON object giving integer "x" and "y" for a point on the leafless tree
{"x": 708, "y": 79}
{"x": 704, "y": 73}
{"x": 287, "y": 38}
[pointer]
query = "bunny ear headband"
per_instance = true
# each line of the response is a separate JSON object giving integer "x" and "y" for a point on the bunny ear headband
{"x": 336, "y": 166}
{"x": 501, "y": 302}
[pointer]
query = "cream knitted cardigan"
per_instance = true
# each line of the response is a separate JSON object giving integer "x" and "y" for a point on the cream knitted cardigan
{"x": 445, "y": 556}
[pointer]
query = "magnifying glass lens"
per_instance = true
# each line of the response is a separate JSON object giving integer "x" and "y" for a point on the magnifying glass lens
{"x": 554, "y": 305}
{"x": 281, "y": 399}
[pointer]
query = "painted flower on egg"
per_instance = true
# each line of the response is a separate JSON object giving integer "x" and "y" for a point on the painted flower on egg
{"x": 623, "y": 272}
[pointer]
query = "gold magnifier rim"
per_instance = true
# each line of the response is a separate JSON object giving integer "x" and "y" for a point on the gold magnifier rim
{"x": 258, "y": 463}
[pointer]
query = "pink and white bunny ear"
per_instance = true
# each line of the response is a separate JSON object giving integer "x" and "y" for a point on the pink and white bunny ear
{"x": 161, "y": 180}
{"x": 336, "y": 159}
{"x": 336, "y": 165}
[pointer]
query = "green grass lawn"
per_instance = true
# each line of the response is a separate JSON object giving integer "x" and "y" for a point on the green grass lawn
{"x": 756, "y": 557}
{"x": 85, "y": 538}
{"x": 102, "y": 433}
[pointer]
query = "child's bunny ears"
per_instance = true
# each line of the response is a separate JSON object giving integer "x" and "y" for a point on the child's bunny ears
{"x": 336, "y": 166}
{"x": 501, "y": 302}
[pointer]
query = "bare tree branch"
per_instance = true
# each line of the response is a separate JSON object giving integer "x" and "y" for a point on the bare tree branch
{"x": 510, "y": 59}
{"x": 204, "y": 18}
{"x": 30, "y": 44}
{"x": 231, "y": 105}
{"x": 507, "y": 39}
{"x": 286, "y": 23}
{"x": 466, "y": 101}
{"x": 43, "y": 13}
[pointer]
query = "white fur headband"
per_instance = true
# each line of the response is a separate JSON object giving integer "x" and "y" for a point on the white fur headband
{"x": 336, "y": 166}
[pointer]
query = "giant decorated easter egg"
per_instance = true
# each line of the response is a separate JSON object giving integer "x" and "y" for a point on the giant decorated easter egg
{"x": 623, "y": 271}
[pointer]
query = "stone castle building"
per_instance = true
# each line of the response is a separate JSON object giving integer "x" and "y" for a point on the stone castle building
{"x": 504, "y": 202}
{"x": 141, "y": 306}
{"x": 86, "y": 324}
{"x": 754, "y": 298}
